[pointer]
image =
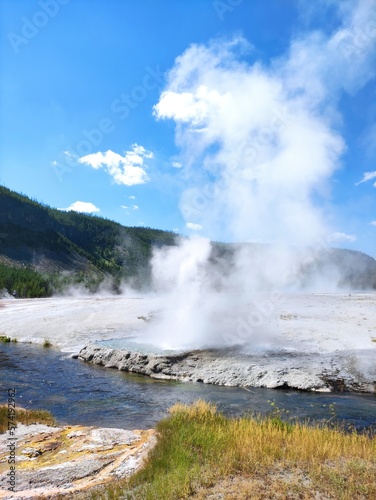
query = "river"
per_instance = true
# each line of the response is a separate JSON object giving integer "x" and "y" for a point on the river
{"x": 78, "y": 393}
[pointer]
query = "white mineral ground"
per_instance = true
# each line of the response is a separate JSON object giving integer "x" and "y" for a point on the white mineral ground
{"x": 306, "y": 341}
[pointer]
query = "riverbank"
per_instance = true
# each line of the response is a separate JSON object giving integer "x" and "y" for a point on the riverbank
{"x": 196, "y": 453}
{"x": 306, "y": 341}
{"x": 202, "y": 455}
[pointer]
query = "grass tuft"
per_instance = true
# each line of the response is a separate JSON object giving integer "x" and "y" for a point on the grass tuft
{"x": 26, "y": 417}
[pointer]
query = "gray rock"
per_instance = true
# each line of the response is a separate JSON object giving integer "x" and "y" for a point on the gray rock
{"x": 231, "y": 367}
{"x": 57, "y": 475}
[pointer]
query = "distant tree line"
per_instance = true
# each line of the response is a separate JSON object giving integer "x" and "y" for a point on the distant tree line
{"x": 23, "y": 282}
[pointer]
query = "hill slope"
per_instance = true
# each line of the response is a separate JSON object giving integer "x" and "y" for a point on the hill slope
{"x": 68, "y": 247}
{"x": 52, "y": 241}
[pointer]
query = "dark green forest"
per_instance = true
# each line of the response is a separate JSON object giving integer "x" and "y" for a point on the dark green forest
{"x": 23, "y": 282}
{"x": 43, "y": 249}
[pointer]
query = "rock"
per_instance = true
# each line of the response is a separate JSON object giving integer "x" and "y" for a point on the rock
{"x": 304, "y": 371}
{"x": 54, "y": 461}
{"x": 31, "y": 452}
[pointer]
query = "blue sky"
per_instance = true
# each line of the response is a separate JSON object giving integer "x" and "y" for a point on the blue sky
{"x": 236, "y": 120}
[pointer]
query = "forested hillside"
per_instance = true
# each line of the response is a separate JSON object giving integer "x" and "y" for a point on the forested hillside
{"x": 69, "y": 247}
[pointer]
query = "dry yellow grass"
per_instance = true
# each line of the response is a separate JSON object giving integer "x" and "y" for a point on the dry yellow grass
{"x": 201, "y": 454}
{"x": 23, "y": 416}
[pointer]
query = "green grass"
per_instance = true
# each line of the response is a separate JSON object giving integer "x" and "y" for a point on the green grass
{"x": 26, "y": 417}
{"x": 6, "y": 340}
{"x": 200, "y": 452}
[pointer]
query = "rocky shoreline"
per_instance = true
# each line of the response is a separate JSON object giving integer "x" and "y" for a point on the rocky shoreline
{"x": 61, "y": 461}
{"x": 311, "y": 372}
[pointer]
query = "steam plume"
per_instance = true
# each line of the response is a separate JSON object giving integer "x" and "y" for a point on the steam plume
{"x": 259, "y": 144}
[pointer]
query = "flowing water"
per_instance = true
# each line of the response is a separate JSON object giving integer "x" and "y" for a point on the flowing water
{"x": 78, "y": 393}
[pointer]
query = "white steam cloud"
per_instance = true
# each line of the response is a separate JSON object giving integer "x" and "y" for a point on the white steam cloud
{"x": 259, "y": 144}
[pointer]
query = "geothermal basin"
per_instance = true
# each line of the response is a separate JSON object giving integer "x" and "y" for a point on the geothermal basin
{"x": 320, "y": 342}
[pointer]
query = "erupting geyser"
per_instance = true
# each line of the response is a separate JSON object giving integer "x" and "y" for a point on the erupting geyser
{"x": 259, "y": 146}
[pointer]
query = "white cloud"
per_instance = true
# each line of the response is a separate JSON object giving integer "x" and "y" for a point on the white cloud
{"x": 177, "y": 164}
{"x": 127, "y": 170}
{"x": 132, "y": 197}
{"x": 373, "y": 223}
{"x": 367, "y": 176}
{"x": 341, "y": 237}
{"x": 134, "y": 207}
{"x": 82, "y": 206}
{"x": 194, "y": 227}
